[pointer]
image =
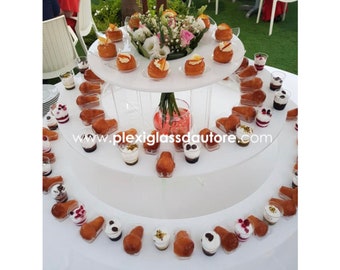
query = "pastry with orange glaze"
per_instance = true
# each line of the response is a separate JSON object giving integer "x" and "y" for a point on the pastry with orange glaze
{"x": 91, "y": 77}
{"x": 158, "y": 68}
{"x": 245, "y": 113}
{"x": 50, "y": 134}
{"x": 229, "y": 240}
{"x": 244, "y": 64}
{"x": 206, "y": 19}
{"x": 152, "y": 143}
{"x": 251, "y": 85}
{"x": 49, "y": 181}
{"x": 286, "y": 207}
{"x": 292, "y": 114}
{"x": 126, "y": 62}
{"x": 88, "y": 116}
{"x": 165, "y": 164}
{"x": 255, "y": 98}
{"x": 89, "y": 88}
{"x": 60, "y": 210}
{"x": 105, "y": 126}
{"x": 126, "y": 136}
{"x": 223, "y": 32}
{"x": 223, "y": 53}
{"x": 247, "y": 73}
{"x": 183, "y": 244}
{"x": 106, "y": 49}
{"x": 113, "y": 33}
{"x": 87, "y": 101}
{"x": 289, "y": 193}
{"x": 132, "y": 242}
{"x": 134, "y": 20}
{"x": 228, "y": 124}
{"x": 50, "y": 156}
{"x": 90, "y": 230}
{"x": 260, "y": 227}
{"x": 208, "y": 139}
{"x": 194, "y": 66}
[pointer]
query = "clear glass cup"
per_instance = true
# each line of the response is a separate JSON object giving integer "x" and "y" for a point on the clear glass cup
{"x": 46, "y": 166}
{"x": 260, "y": 59}
{"x": 276, "y": 81}
{"x": 281, "y": 99}
{"x": 82, "y": 64}
{"x": 67, "y": 79}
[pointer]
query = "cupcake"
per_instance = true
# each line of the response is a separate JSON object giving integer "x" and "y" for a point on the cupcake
{"x": 243, "y": 229}
{"x": 78, "y": 215}
{"x": 59, "y": 193}
{"x": 161, "y": 238}
{"x": 113, "y": 229}
{"x": 243, "y": 135}
{"x": 46, "y": 145}
{"x": 280, "y": 100}
{"x": 211, "y": 241}
{"x": 60, "y": 112}
{"x": 191, "y": 151}
{"x": 263, "y": 117}
{"x": 51, "y": 121}
{"x": 260, "y": 60}
{"x": 130, "y": 153}
{"x": 271, "y": 214}
{"x": 88, "y": 142}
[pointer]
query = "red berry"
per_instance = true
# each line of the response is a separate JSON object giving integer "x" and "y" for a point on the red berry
{"x": 240, "y": 220}
{"x": 246, "y": 222}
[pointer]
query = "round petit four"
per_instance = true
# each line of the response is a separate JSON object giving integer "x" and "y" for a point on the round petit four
{"x": 114, "y": 33}
{"x": 59, "y": 193}
{"x": 60, "y": 112}
{"x": 194, "y": 66}
{"x": 243, "y": 135}
{"x": 223, "y": 32}
{"x": 130, "y": 153}
{"x": 88, "y": 142}
{"x": 46, "y": 144}
{"x": 126, "y": 62}
{"x": 51, "y": 121}
{"x": 158, "y": 68}
{"x": 106, "y": 49}
{"x": 280, "y": 99}
{"x": 223, "y": 52}
{"x": 161, "y": 238}
{"x": 68, "y": 80}
{"x": 211, "y": 241}
{"x": 271, "y": 214}
{"x": 113, "y": 229}
{"x": 78, "y": 215}
{"x": 263, "y": 117}
{"x": 192, "y": 151}
{"x": 243, "y": 229}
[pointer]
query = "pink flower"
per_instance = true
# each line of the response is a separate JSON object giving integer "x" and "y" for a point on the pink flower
{"x": 186, "y": 37}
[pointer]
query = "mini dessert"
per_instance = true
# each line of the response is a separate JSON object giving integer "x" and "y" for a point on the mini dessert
{"x": 192, "y": 151}
{"x": 88, "y": 116}
{"x": 60, "y": 113}
{"x": 134, "y": 21}
{"x": 289, "y": 193}
{"x": 194, "y": 66}
{"x": 48, "y": 182}
{"x": 245, "y": 113}
{"x": 46, "y": 144}
{"x": 88, "y": 88}
{"x": 223, "y": 32}
{"x": 178, "y": 141}
{"x": 251, "y": 85}
{"x": 114, "y": 33}
{"x": 228, "y": 124}
{"x": 67, "y": 79}
{"x": 51, "y": 135}
{"x": 244, "y": 64}
{"x": 87, "y": 101}
{"x": 78, "y": 215}
{"x": 205, "y": 18}
{"x": 292, "y": 114}
{"x": 211, "y": 241}
{"x": 126, "y": 136}
{"x": 91, "y": 77}
{"x": 50, "y": 156}
{"x": 46, "y": 166}
{"x": 105, "y": 126}
{"x": 130, "y": 152}
{"x": 88, "y": 142}
{"x": 59, "y": 193}
{"x": 209, "y": 139}
{"x": 113, "y": 229}
{"x": 295, "y": 180}
{"x": 271, "y": 214}
{"x": 165, "y": 165}
{"x": 255, "y": 98}
{"x": 260, "y": 60}
{"x": 287, "y": 207}
{"x": 161, "y": 238}
{"x": 61, "y": 210}
{"x": 152, "y": 143}
{"x": 106, "y": 49}
{"x": 260, "y": 227}
{"x": 247, "y": 73}
{"x": 243, "y": 135}
{"x": 229, "y": 240}
{"x": 223, "y": 53}
{"x": 158, "y": 68}
{"x": 243, "y": 229}
{"x": 89, "y": 231}
{"x": 280, "y": 100}
{"x": 126, "y": 62}
{"x": 51, "y": 122}
{"x": 133, "y": 241}
{"x": 183, "y": 245}
{"x": 263, "y": 117}
{"x": 83, "y": 64}
{"x": 276, "y": 80}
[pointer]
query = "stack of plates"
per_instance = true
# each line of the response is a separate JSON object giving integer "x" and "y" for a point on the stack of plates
{"x": 50, "y": 96}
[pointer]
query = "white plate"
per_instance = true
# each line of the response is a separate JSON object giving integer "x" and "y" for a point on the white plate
{"x": 49, "y": 92}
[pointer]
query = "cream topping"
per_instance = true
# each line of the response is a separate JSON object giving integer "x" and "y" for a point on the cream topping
{"x": 191, "y": 150}
{"x": 210, "y": 241}
{"x": 195, "y": 59}
{"x": 263, "y": 115}
{"x": 161, "y": 237}
{"x": 281, "y": 97}
{"x": 225, "y": 46}
{"x": 124, "y": 58}
{"x": 58, "y": 191}
{"x": 159, "y": 66}
{"x": 244, "y": 133}
{"x": 242, "y": 230}
{"x": 129, "y": 152}
{"x": 271, "y": 213}
{"x": 113, "y": 228}
{"x": 88, "y": 140}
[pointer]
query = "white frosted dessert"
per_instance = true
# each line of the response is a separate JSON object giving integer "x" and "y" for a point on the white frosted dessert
{"x": 295, "y": 180}
{"x": 68, "y": 80}
{"x": 161, "y": 238}
{"x": 192, "y": 151}
{"x": 243, "y": 135}
{"x": 51, "y": 121}
{"x": 113, "y": 229}
{"x": 260, "y": 60}
{"x": 46, "y": 168}
{"x": 211, "y": 241}
{"x": 276, "y": 83}
{"x": 79, "y": 215}
{"x": 271, "y": 214}
{"x": 88, "y": 142}
{"x": 280, "y": 100}
{"x": 59, "y": 193}
{"x": 130, "y": 153}
{"x": 243, "y": 229}
{"x": 60, "y": 112}
{"x": 263, "y": 117}
{"x": 46, "y": 145}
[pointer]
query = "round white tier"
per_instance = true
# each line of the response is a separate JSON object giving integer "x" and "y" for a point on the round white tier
{"x": 176, "y": 79}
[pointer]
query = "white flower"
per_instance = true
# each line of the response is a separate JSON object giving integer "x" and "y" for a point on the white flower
{"x": 139, "y": 35}
{"x": 162, "y": 52}
{"x": 199, "y": 24}
{"x": 151, "y": 45}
